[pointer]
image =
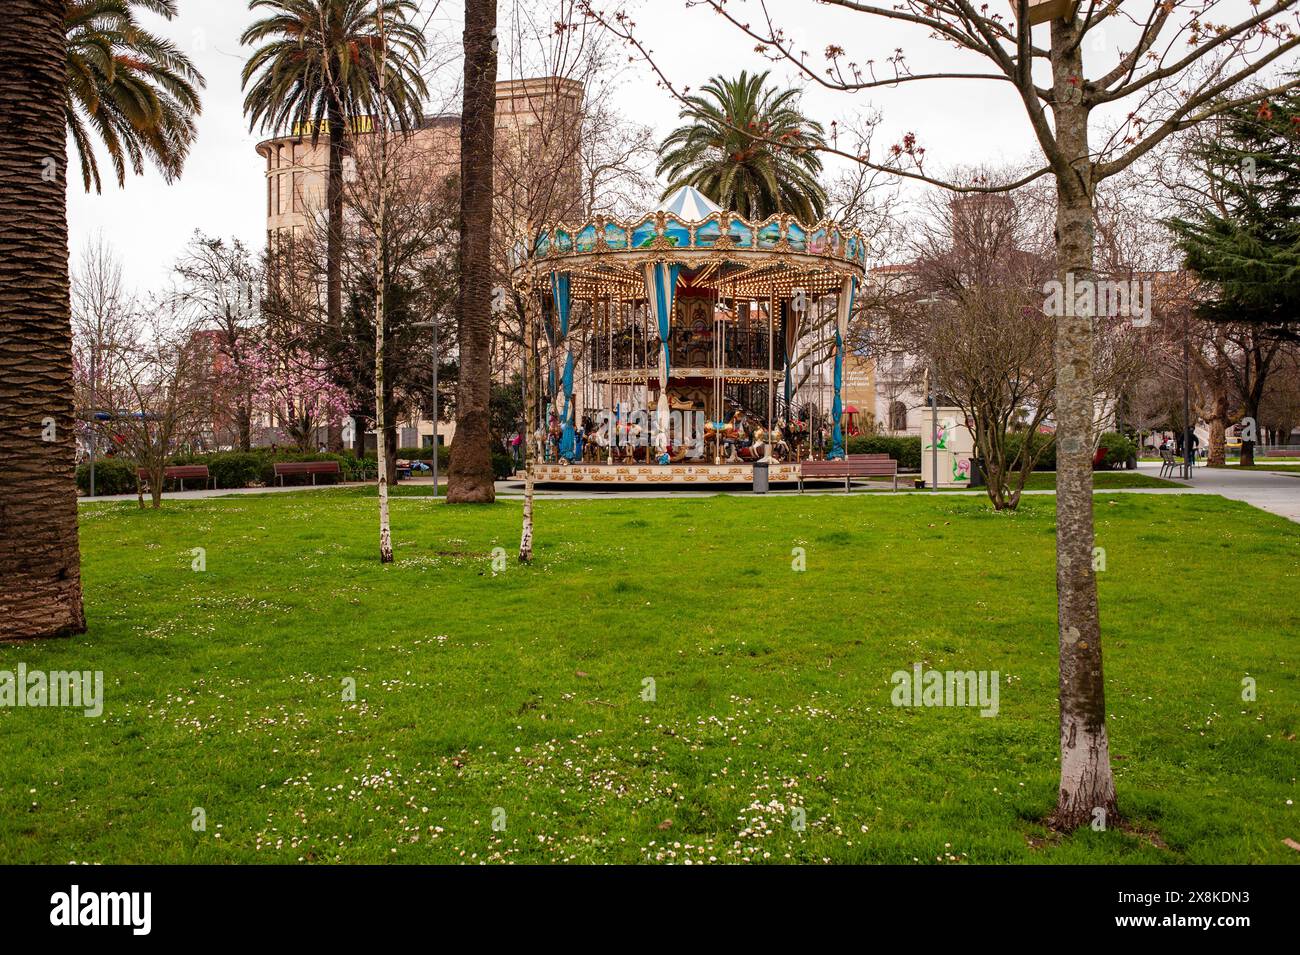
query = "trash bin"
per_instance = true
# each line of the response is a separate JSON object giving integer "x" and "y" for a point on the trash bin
{"x": 760, "y": 477}
{"x": 976, "y": 472}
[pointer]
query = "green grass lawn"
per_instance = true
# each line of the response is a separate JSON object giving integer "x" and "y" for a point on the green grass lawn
{"x": 519, "y": 695}
{"x": 1046, "y": 481}
{"x": 1292, "y": 468}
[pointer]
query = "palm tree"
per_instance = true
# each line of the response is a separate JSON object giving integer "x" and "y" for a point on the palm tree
{"x": 748, "y": 147}
{"x": 318, "y": 65}
{"x": 135, "y": 91}
{"x": 471, "y": 477}
{"x": 40, "y": 570}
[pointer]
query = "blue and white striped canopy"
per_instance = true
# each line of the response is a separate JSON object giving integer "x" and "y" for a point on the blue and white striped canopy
{"x": 689, "y": 204}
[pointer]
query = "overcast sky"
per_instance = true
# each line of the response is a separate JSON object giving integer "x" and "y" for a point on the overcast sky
{"x": 222, "y": 189}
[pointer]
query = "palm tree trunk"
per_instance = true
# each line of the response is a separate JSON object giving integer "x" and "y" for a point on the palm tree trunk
{"x": 471, "y": 479}
{"x": 334, "y": 242}
{"x": 1087, "y": 789}
{"x": 381, "y": 279}
{"x": 40, "y": 568}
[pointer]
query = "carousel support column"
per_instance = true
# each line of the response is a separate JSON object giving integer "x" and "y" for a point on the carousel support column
{"x": 718, "y": 383}
{"x": 771, "y": 370}
{"x": 609, "y": 380}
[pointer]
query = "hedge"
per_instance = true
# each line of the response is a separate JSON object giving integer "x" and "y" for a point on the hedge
{"x": 905, "y": 450}
{"x": 1046, "y": 460}
{"x": 238, "y": 469}
{"x": 112, "y": 476}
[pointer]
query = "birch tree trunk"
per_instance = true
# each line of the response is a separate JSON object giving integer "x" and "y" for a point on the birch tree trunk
{"x": 530, "y": 412}
{"x": 1087, "y": 789}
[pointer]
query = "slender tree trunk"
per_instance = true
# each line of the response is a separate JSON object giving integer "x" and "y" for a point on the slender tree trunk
{"x": 157, "y": 475}
{"x": 1087, "y": 789}
{"x": 245, "y": 429}
{"x": 390, "y": 446}
{"x": 40, "y": 568}
{"x": 1216, "y": 416}
{"x": 530, "y": 412}
{"x": 471, "y": 478}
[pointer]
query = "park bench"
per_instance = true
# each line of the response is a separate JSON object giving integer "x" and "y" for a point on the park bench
{"x": 855, "y": 465}
{"x": 178, "y": 472}
{"x": 285, "y": 469}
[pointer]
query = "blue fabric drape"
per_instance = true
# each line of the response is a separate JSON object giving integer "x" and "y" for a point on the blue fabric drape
{"x": 661, "y": 287}
{"x": 844, "y": 308}
{"x": 561, "y": 298}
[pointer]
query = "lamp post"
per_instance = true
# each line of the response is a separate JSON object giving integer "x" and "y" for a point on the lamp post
{"x": 433, "y": 325}
{"x": 94, "y": 370}
{"x": 1187, "y": 404}
{"x": 932, "y": 380}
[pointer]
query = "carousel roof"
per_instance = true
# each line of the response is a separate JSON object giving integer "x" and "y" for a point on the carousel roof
{"x": 605, "y": 255}
{"x": 690, "y": 204}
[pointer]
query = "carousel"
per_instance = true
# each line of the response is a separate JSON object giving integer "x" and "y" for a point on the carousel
{"x": 671, "y": 342}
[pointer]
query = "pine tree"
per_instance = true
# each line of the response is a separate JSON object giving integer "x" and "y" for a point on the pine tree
{"x": 1245, "y": 243}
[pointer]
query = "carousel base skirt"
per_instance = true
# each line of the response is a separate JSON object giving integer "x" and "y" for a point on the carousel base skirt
{"x": 659, "y": 474}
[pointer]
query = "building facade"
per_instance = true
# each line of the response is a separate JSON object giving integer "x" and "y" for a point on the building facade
{"x": 534, "y": 117}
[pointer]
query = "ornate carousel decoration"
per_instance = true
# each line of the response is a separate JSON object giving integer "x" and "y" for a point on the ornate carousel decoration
{"x": 673, "y": 337}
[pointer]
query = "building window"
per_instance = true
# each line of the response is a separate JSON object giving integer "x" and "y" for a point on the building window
{"x": 898, "y": 416}
{"x": 297, "y": 192}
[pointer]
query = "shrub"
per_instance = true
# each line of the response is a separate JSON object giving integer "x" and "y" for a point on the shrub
{"x": 503, "y": 465}
{"x": 1046, "y": 460}
{"x": 903, "y": 449}
{"x": 238, "y": 468}
{"x": 1118, "y": 449}
{"x": 112, "y": 476}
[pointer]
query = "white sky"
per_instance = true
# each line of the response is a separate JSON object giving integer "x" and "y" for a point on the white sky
{"x": 222, "y": 189}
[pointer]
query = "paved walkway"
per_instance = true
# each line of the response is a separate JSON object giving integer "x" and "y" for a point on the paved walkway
{"x": 219, "y": 492}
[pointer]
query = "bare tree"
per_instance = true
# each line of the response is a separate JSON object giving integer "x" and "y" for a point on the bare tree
{"x": 103, "y": 320}
{"x": 568, "y": 154}
{"x": 155, "y": 391}
{"x": 1164, "y": 69}
{"x": 221, "y": 289}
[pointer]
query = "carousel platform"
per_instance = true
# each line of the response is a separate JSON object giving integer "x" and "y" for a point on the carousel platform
{"x": 659, "y": 475}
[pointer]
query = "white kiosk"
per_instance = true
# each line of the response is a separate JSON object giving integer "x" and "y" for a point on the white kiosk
{"x": 953, "y": 444}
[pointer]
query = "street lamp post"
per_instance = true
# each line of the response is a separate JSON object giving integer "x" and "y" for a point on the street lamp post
{"x": 433, "y": 325}
{"x": 934, "y": 430}
{"x": 1187, "y": 405}
{"x": 932, "y": 374}
{"x": 94, "y": 366}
